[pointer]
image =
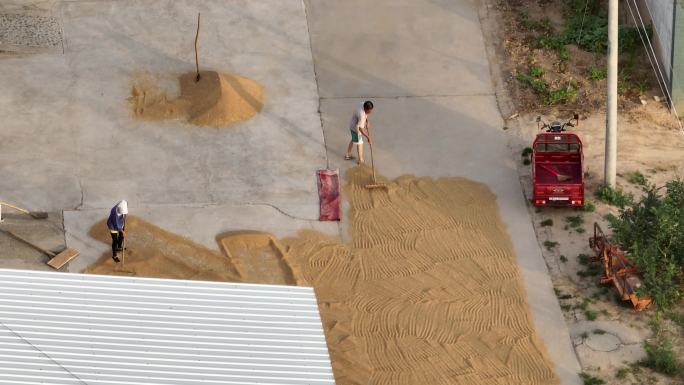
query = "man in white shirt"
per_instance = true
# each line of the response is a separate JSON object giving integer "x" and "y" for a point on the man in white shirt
{"x": 359, "y": 125}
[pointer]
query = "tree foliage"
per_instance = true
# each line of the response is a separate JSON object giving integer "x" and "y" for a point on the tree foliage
{"x": 651, "y": 231}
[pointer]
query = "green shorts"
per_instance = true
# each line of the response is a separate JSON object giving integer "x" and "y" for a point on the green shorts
{"x": 356, "y": 138}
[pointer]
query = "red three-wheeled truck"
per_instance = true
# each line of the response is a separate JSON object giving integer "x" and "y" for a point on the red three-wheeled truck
{"x": 557, "y": 175}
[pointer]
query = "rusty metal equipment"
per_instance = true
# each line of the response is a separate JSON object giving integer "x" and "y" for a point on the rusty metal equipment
{"x": 618, "y": 270}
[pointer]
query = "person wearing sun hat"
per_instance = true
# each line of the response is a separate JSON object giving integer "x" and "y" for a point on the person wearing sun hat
{"x": 117, "y": 227}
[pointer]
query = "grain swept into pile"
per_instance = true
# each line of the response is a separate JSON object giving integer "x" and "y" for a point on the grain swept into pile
{"x": 217, "y": 100}
{"x": 427, "y": 292}
{"x": 153, "y": 252}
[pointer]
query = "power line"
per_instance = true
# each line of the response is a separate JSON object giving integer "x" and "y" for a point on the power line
{"x": 655, "y": 57}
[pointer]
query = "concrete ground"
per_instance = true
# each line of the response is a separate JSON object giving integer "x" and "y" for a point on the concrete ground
{"x": 69, "y": 142}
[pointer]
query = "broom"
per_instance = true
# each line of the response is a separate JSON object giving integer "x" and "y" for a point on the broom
{"x": 34, "y": 214}
{"x": 559, "y": 177}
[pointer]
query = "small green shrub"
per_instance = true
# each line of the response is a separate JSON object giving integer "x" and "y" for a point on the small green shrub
{"x": 582, "y": 305}
{"x": 588, "y": 207}
{"x": 563, "y": 258}
{"x": 564, "y": 94}
{"x": 584, "y": 335}
{"x": 533, "y": 79}
{"x": 614, "y": 197}
{"x": 583, "y": 259}
{"x": 637, "y": 178}
{"x": 565, "y": 296}
{"x": 622, "y": 373}
{"x": 550, "y": 245}
{"x": 677, "y": 318}
{"x": 591, "y": 314}
{"x": 564, "y": 54}
{"x": 599, "y": 331}
{"x": 574, "y": 221}
{"x": 527, "y": 151}
{"x": 527, "y": 161}
{"x": 661, "y": 357}
{"x": 598, "y": 73}
{"x": 591, "y": 271}
{"x": 546, "y": 222}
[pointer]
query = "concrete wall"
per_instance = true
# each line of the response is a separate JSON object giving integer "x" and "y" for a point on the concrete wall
{"x": 661, "y": 17}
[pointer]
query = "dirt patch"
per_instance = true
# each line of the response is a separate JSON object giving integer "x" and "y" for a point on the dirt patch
{"x": 217, "y": 100}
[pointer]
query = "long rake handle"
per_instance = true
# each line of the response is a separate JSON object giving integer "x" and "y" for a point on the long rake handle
{"x": 370, "y": 145}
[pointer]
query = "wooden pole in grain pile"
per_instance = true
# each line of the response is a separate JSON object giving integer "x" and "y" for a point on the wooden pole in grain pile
{"x": 196, "y": 54}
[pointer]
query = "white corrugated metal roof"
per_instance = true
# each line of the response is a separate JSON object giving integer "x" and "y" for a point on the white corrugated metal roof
{"x": 58, "y": 328}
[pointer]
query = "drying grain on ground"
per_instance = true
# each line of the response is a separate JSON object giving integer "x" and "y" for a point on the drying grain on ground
{"x": 216, "y": 100}
{"x": 427, "y": 292}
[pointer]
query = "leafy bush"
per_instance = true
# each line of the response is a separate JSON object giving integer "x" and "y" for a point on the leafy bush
{"x": 563, "y": 258}
{"x": 614, "y": 197}
{"x": 661, "y": 357}
{"x": 590, "y": 31}
{"x": 598, "y": 73}
{"x": 546, "y": 222}
{"x": 651, "y": 231}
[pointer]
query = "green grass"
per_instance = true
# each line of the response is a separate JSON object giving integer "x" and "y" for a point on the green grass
{"x": 588, "y": 379}
{"x": 589, "y": 206}
{"x": 550, "y": 245}
{"x": 613, "y": 197}
{"x": 661, "y": 357}
{"x": 622, "y": 373}
{"x": 583, "y": 259}
{"x": 543, "y": 24}
{"x": 591, "y": 271}
{"x": 677, "y": 318}
{"x": 563, "y": 95}
{"x": 574, "y": 221}
{"x": 546, "y": 222}
{"x": 526, "y": 152}
{"x": 597, "y": 73}
{"x": 533, "y": 79}
{"x": 564, "y": 54}
{"x": 637, "y": 178}
{"x": 591, "y": 314}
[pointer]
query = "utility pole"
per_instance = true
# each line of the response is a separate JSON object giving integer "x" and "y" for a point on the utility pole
{"x": 611, "y": 105}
